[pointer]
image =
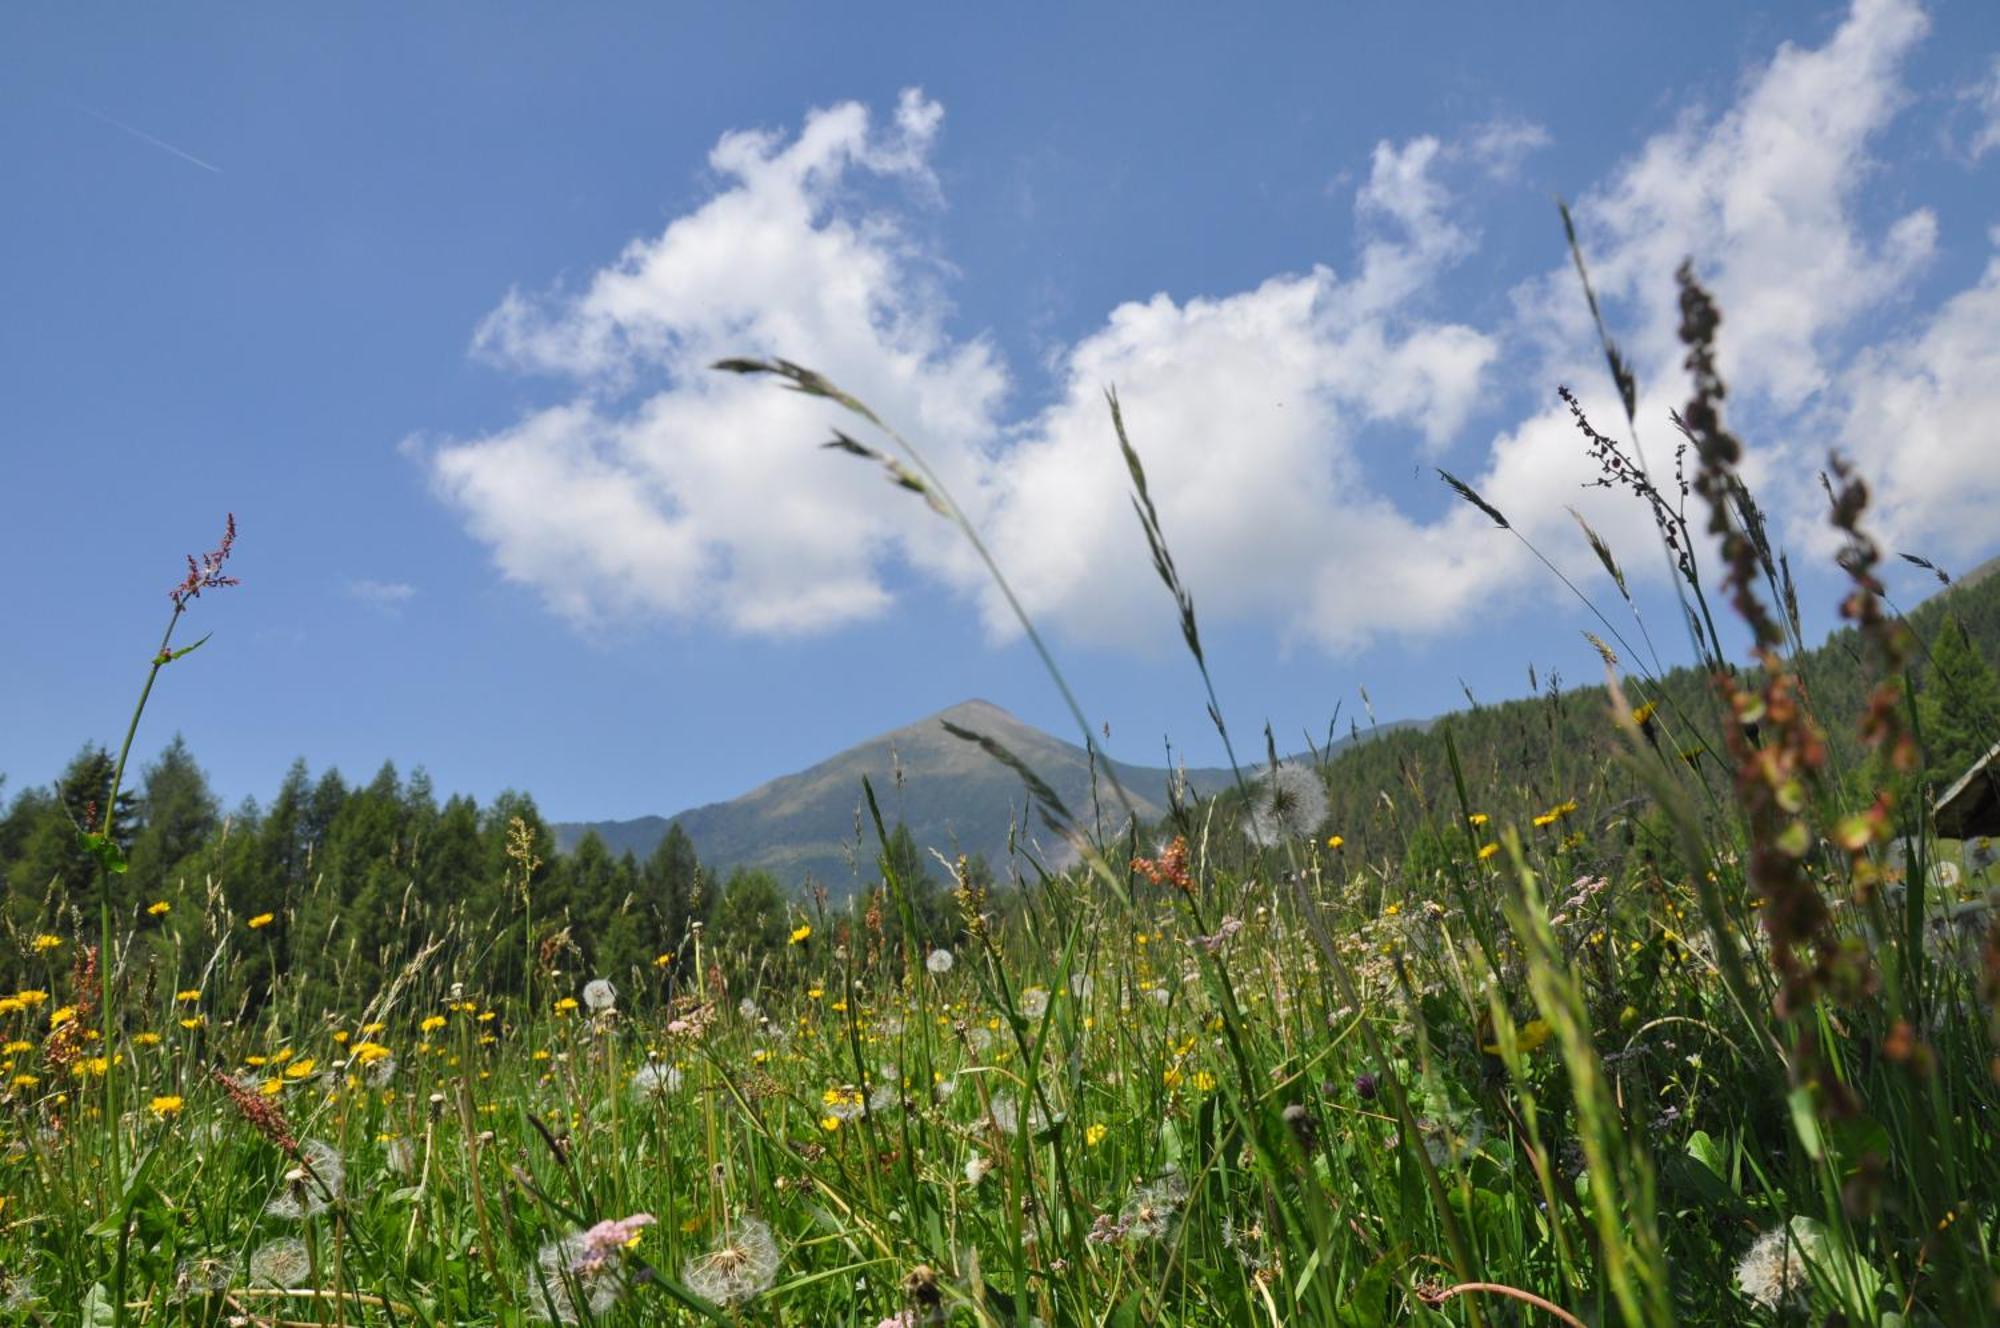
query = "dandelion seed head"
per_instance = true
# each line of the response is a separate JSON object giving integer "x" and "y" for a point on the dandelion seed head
{"x": 200, "y": 1275}
{"x": 312, "y": 1185}
{"x": 401, "y": 1155}
{"x": 568, "y": 1280}
{"x": 1006, "y": 1116}
{"x": 656, "y": 1080}
{"x": 1288, "y": 803}
{"x": 939, "y": 962}
{"x": 599, "y": 995}
{"x": 742, "y": 1264}
{"x": 1773, "y": 1271}
{"x": 280, "y": 1263}
{"x": 1149, "y": 1213}
{"x": 17, "y": 1291}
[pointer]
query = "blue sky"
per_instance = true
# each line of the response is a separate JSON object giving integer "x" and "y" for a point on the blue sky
{"x": 422, "y": 294}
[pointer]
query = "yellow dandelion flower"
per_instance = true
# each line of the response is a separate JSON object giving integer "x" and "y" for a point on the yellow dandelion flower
{"x": 1528, "y": 1037}
{"x": 166, "y": 1105}
{"x": 299, "y": 1069}
{"x": 663, "y": 960}
{"x": 16, "y": 1047}
{"x": 369, "y": 1052}
{"x": 262, "y": 920}
{"x": 1335, "y": 841}
{"x": 46, "y": 942}
{"x": 1487, "y": 850}
{"x": 31, "y": 997}
{"x": 801, "y": 934}
{"x": 431, "y": 1024}
{"x": 159, "y": 907}
{"x": 61, "y": 1015}
{"x": 25, "y": 1081}
{"x": 146, "y": 1039}
{"x": 829, "y": 1123}
{"x": 11, "y": 1005}
{"x": 1477, "y": 818}
{"x": 271, "y": 1087}
{"x": 188, "y": 997}
{"x": 1094, "y": 1136}
{"x": 192, "y": 1021}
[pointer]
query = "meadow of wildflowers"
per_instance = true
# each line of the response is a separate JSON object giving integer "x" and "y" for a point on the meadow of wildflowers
{"x": 1234, "y": 1068}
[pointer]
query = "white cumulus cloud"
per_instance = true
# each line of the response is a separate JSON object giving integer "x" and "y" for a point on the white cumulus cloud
{"x": 659, "y": 488}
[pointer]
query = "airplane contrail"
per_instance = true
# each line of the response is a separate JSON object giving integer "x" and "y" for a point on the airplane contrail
{"x": 145, "y": 137}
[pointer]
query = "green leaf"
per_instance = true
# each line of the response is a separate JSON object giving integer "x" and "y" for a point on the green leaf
{"x": 98, "y": 1311}
{"x": 186, "y": 650}
{"x": 1703, "y": 1149}
{"x": 1367, "y": 1304}
{"x": 105, "y": 849}
{"x": 1804, "y": 1122}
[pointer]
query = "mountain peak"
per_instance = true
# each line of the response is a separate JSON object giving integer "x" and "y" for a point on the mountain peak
{"x": 973, "y": 712}
{"x": 953, "y": 797}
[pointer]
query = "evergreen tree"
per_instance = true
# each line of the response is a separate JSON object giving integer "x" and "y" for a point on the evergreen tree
{"x": 751, "y": 921}
{"x": 1959, "y": 708}
{"x": 178, "y": 813}
{"x": 674, "y": 885}
{"x": 909, "y": 865}
{"x": 52, "y": 861}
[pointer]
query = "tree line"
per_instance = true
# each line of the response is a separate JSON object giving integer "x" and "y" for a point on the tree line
{"x": 347, "y": 883}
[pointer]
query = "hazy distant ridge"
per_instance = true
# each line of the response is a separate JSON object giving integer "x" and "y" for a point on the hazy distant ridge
{"x": 953, "y": 796}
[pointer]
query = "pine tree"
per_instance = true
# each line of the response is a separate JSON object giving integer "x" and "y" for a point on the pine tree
{"x": 1959, "y": 708}
{"x": 178, "y": 813}
{"x": 674, "y": 885}
{"x": 750, "y": 918}
{"x": 52, "y": 862}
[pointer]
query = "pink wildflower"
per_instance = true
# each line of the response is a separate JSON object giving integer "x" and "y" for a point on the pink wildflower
{"x": 602, "y": 1242}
